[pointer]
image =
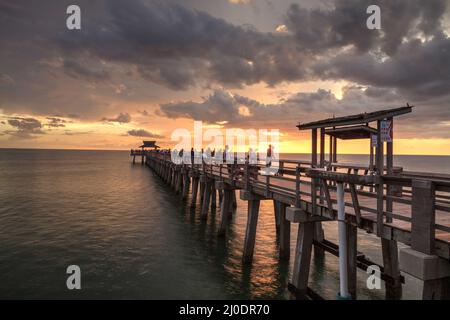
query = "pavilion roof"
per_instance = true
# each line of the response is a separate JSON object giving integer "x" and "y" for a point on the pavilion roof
{"x": 361, "y": 118}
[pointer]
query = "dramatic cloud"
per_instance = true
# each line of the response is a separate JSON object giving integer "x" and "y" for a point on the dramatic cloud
{"x": 419, "y": 69}
{"x": 144, "y": 133}
{"x": 55, "y": 122}
{"x": 121, "y": 118}
{"x": 345, "y": 24}
{"x": 231, "y": 110}
{"x": 128, "y": 52}
{"x": 27, "y": 128}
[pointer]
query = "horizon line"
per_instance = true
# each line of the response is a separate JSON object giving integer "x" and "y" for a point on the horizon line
{"x": 72, "y": 149}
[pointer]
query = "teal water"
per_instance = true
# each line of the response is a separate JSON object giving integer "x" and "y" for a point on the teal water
{"x": 133, "y": 238}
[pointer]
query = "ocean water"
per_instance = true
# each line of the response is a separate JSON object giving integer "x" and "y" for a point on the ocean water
{"x": 133, "y": 238}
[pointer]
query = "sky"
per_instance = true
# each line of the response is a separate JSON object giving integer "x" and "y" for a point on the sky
{"x": 140, "y": 69}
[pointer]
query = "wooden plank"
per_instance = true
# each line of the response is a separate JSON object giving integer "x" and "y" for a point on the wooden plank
{"x": 327, "y": 195}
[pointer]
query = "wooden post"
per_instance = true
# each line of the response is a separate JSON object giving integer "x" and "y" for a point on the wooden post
{"x": 380, "y": 168}
{"x": 335, "y": 149}
{"x": 224, "y": 208}
{"x": 302, "y": 260}
{"x": 390, "y": 171}
{"x": 185, "y": 184}
{"x": 330, "y": 152}
{"x": 391, "y": 268}
{"x": 250, "y": 233}
{"x": 314, "y": 147}
{"x": 194, "y": 191}
{"x": 179, "y": 181}
{"x": 213, "y": 196}
{"x": 322, "y": 159}
{"x": 202, "y": 190}
{"x": 318, "y": 231}
{"x": 371, "y": 162}
{"x": 285, "y": 232}
{"x": 423, "y": 216}
{"x": 352, "y": 251}
{"x": 206, "y": 200}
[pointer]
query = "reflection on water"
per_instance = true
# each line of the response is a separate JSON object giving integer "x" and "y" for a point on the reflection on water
{"x": 134, "y": 238}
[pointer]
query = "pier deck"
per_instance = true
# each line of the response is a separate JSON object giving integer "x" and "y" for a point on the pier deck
{"x": 422, "y": 223}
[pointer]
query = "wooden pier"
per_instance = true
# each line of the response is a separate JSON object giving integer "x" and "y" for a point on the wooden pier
{"x": 397, "y": 206}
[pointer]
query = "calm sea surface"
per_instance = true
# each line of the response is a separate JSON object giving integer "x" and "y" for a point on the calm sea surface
{"x": 134, "y": 238}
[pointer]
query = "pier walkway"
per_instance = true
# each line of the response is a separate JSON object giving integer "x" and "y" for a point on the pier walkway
{"x": 398, "y": 206}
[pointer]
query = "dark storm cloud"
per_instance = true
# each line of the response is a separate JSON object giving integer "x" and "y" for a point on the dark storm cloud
{"x": 46, "y": 69}
{"x": 77, "y": 70}
{"x": 419, "y": 70}
{"x": 345, "y": 24}
{"x": 144, "y": 133}
{"x": 181, "y": 47}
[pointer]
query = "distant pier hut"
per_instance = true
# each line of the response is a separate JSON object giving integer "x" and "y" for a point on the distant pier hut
{"x": 146, "y": 146}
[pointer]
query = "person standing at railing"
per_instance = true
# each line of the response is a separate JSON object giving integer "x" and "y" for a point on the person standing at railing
{"x": 269, "y": 156}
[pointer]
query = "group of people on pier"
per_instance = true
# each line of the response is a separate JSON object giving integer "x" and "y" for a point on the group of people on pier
{"x": 225, "y": 155}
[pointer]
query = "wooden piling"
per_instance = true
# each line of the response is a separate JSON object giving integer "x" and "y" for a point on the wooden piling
{"x": 300, "y": 274}
{"x": 206, "y": 200}
{"x": 285, "y": 233}
{"x": 213, "y": 196}
{"x": 224, "y": 208}
{"x": 391, "y": 268}
{"x": 352, "y": 252}
{"x": 194, "y": 191}
{"x": 250, "y": 233}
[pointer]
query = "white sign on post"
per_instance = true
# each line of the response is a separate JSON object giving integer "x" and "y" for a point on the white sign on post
{"x": 374, "y": 140}
{"x": 386, "y": 131}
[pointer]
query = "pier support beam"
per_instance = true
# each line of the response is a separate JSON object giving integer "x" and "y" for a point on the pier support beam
{"x": 195, "y": 181}
{"x": 206, "y": 199}
{"x": 391, "y": 268}
{"x": 186, "y": 183}
{"x": 319, "y": 235}
{"x": 352, "y": 253}
{"x": 213, "y": 196}
{"x": 250, "y": 233}
{"x": 224, "y": 208}
{"x": 302, "y": 260}
{"x": 285, "y": 232}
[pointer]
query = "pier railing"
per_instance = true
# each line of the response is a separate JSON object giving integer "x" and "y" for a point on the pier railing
{"x": 409, "y": 207}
